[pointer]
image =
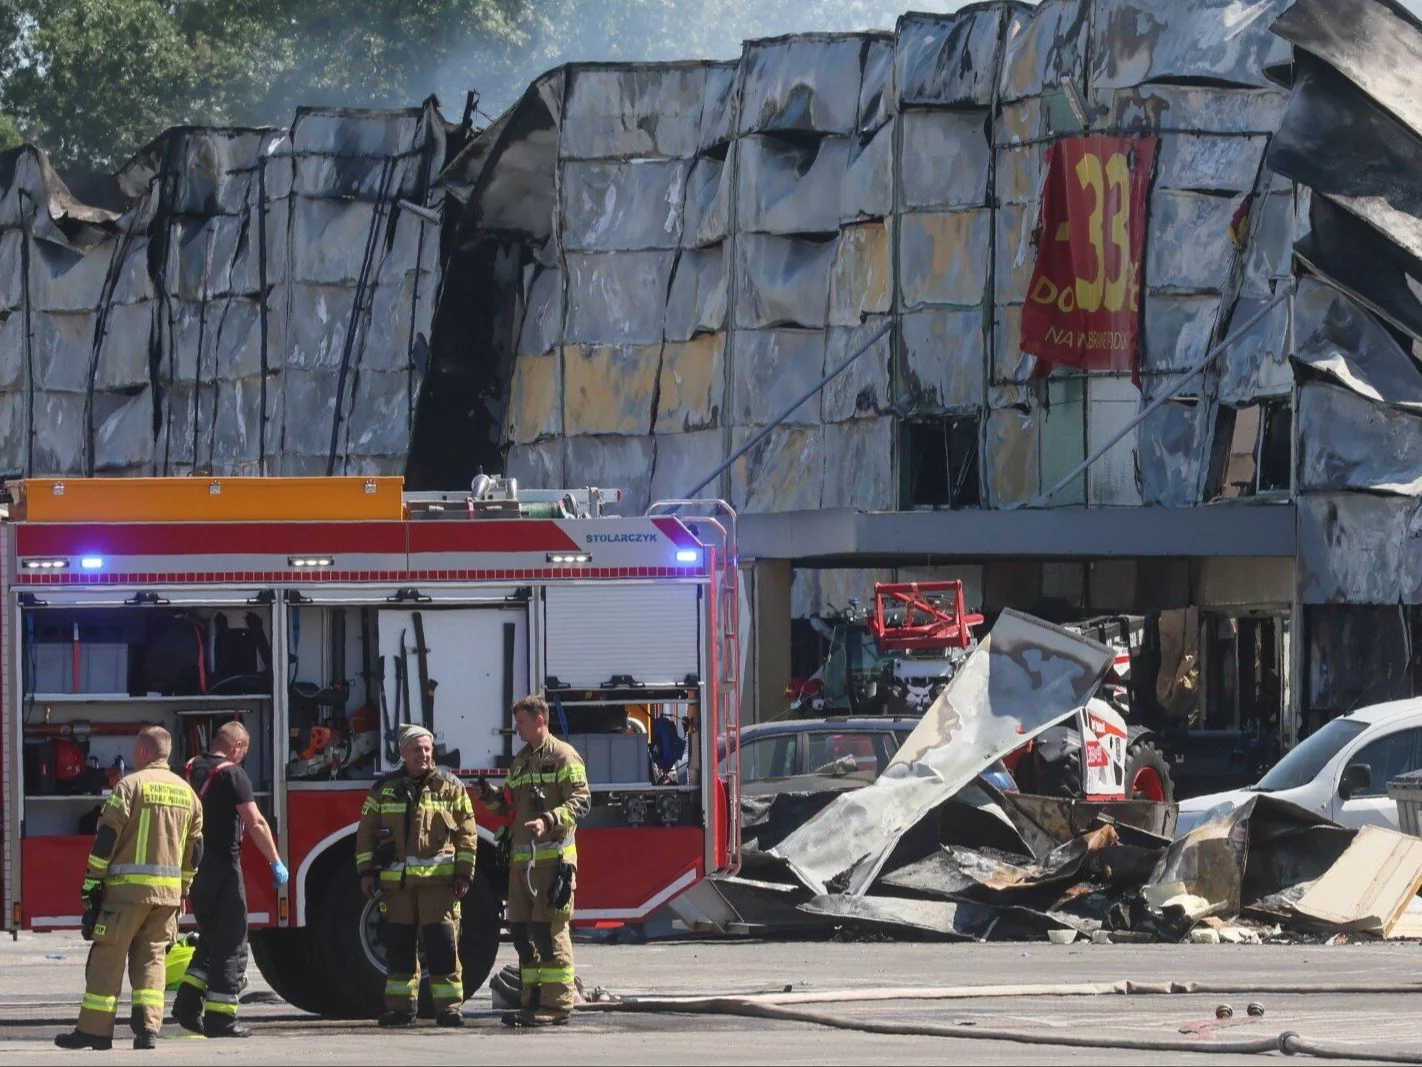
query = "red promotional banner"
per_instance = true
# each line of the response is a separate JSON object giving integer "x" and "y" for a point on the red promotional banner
{"x": 1083, "y": 307}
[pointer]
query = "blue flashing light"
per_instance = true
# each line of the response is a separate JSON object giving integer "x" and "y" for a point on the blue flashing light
{"x": 688, "y": 555}
{"x": 92, "y": 563}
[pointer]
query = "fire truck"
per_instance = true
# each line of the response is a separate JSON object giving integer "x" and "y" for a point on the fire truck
{"x": 323, "y": 613}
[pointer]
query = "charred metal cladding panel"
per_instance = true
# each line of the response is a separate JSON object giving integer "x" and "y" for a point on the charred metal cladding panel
{"x": 1023, "y": 677}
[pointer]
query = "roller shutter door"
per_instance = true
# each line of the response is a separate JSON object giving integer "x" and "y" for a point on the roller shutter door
{"x": 594, "y": 632}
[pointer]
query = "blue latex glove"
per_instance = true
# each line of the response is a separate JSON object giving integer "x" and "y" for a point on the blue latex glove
{"x": 279, "y": 873}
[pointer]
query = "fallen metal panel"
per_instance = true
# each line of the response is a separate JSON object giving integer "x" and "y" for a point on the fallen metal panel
{"x": 1336, "y": 140}
{"x": 1371, "y": 884}
{"x": 1347, "y": 441}
{"x": 803, "y": 84}
{"x": 955, "y": 921}
{"x": 859, "y": 467}
{"x": 1171, "y": 451}
{"x": 946, "y": 156}
{"x": 783, "y": 472}
{"x": 1359, "y": 548}
{"x": 772, "y": 368}
{"x": 1338, "y": 338}
{"x": 944, "y": 257}
{"x": 633, "y": 111}
{"x": 617, "y": 298}
{"x": 696, "y": 303}
{"x": 782, "y": 281}
{"x": 693, "y": 376}
{"x": 949, "y": 60}
{"x": 1378, "y": 45}
{"x": 863, "y": 388}
{"x": 1023, "y": 677}
{"x": 787, "y": 187}
{"x": 943, "y": 354}
{"x": 1044, "y": 46}
{"x": 1136, "y": 41}
{"x": 622, "y": 205}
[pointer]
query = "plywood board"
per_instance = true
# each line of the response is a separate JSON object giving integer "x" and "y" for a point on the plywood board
{"x": 1372, "y": 884}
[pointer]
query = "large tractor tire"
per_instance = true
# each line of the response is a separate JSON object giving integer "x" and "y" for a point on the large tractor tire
{"x": 351, "y": 958}
{"x": 1148, "y": 772}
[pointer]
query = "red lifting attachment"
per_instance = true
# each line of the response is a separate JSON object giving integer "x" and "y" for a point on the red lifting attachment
{"x": 934, "y": 616}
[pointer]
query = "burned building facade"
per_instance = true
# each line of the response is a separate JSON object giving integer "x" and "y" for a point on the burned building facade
{"x": 639, "y": 268}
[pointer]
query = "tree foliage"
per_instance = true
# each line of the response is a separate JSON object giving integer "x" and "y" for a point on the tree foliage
{"x": 91, "y": 81}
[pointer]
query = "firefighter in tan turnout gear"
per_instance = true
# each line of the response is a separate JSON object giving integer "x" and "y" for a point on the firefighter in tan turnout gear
{"x": 550, "y": 794}
{"x": 142, "y": 862}
{"x": 415, "y": 848}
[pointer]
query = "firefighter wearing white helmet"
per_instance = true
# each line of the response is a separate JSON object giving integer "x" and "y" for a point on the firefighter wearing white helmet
{"x": 549, "y": 788}
{"x": 415, "y": 849}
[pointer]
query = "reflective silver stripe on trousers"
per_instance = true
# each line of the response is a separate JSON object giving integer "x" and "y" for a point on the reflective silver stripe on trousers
{"x": 432, "y": 861}
{"x": 144, "y": 868}
{"x": 542, "y": 846}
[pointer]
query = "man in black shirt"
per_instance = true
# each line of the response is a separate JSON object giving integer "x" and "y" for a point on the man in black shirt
{"x": 206, "y": 1002}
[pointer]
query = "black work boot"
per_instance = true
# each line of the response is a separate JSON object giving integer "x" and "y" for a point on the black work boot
{"x": 517, "y": 1018}
{"x": 145, "y": 1039}
{"x": 187, "y": 1009}
{"x": 450, "y": 1017}
{"x": 226, "y": 1026}
{"x": 78, "y": 1039}
{"x": 397, "y": 1017}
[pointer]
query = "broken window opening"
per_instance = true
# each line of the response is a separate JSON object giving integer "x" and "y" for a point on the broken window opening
{"x": 941, "y": 463}
{"x": 1252, "y": 450}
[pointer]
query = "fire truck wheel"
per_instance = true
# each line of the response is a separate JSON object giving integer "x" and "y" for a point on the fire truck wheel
{"x": 1148, "y": 773}
{"x": 351, "y": 958}
{"x": 283, "y": 959}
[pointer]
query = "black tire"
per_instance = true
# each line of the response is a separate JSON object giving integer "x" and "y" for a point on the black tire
{"x": 1143, "y": 758}
{"x": 353, "y": 962}
{"x": 285, "y": 962}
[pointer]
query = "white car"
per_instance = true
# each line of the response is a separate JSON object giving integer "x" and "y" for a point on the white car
{"x": 1340, "y": 771}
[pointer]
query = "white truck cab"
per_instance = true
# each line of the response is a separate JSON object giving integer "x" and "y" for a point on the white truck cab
{"x": 1340, "y": 771}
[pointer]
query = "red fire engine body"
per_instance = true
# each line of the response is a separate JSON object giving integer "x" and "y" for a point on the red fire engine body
{"x": 368, "y": 607}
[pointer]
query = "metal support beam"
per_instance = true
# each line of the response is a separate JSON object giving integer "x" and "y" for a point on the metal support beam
{"x": 1189, "y": 376}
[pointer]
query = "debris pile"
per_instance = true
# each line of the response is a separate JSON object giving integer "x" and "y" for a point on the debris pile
{"x": 931, "y": 849}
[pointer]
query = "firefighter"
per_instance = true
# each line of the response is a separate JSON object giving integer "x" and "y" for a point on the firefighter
{"x": 141, "y": 865}
{"x": 415, "y": 849}
{"x": 550, "y": 794}
{"x": 206, "y": 1002}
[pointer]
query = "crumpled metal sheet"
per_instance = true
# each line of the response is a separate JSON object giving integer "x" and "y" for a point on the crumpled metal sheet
{"x": 1023, "y": 677}
{"x": 949, "y": 60}
{"x": 543, "y": 311}
{"x": 617, "y": 298}
{"x": 868, "y": 188}
{"x": 1177, "y": 330}
{"x": 1258, "y": 363}
{"x": 1373, "y": 44}
{"x": 773, "y": 367}
{"x": 943, "y": 359}
{"x": 693, "y": 377}
{"x": 1190, "y": 251}
{"x": 876, "y": 85}
{"x": 622, "y": 205}
{"x": 620, "y": 112}
{"x": 859, "y": 469}
{"x": 803, "y": 84}
{"x": 1359, "y": 548}
{"x": 1269, "y": 258}
{"x": 1171, "y": 453}
{"x": 932, "y": 138}
{"x": 950, "y": 920}
{"x": 706, "y": 219}
{"x": 1336, "y": 337}
{"x": 1339, "y": 142}
{"x": 697, "y": 301}
{"x": 1047, "y": 46}
{"x": 943, "y": 257}
{"x": 591, "y": 407}
{"x": 784, "y": 472}
{"x": 786, "y": 187}
{"x": 1206, "y": 108}
{"x": 1347, "y": 441}
{"x": 782, "y": 281}
{"x": 719, "y": 106}
{"x": 1136, "y": 41}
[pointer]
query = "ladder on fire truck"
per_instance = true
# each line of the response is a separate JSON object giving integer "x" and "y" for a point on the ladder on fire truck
{"x": 713, "y": 522}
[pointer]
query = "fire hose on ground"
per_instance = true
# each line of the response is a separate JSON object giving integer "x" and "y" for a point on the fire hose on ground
{"x": 782, "y": 1006}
